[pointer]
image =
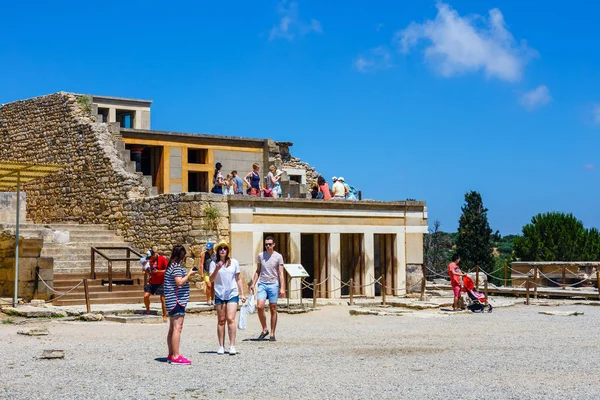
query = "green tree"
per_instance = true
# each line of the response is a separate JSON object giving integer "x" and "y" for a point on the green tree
{"x": 436, "y": 248}
{"x": 556, "y": 236}
{"x": 474, "y": 242}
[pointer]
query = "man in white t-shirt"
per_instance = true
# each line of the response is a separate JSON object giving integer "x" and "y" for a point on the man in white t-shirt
{"x": 271, "y": 285}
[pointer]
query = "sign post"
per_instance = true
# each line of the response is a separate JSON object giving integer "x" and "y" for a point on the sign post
{"x": 295, "y": 271}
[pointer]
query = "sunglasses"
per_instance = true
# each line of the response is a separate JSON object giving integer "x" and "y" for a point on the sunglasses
{"x": 222, "y": 248}
{"x": 269, "y": 244}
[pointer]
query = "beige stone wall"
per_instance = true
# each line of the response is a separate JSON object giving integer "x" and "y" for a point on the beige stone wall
{"x": 29, "y": 259}
{"x": 56, "y": 129}
{"x": 170, "y": 219}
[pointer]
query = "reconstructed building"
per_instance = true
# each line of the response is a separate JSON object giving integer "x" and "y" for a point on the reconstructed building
{"x": 151, "y": 188}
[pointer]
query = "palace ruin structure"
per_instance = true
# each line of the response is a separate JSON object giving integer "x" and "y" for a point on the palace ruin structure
{"x": 128, "y": 185}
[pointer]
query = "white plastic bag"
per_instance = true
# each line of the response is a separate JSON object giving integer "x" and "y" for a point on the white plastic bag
{"x": 250, "y": 306}
{"x": 243, "y": 318}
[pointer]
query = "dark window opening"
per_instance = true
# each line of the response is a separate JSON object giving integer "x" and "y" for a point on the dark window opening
{"x": 295, "y": 178}
{"x": 198, "y": 182}
{"x": 102, "y": 114}
{"x": 197, "y": 156}
{"x": 126, "y": 118}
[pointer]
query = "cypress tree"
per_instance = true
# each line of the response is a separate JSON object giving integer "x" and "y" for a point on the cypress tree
{"x": 474, "y": 242}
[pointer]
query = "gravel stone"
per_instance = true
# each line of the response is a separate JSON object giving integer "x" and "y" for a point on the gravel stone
{"x": 512, "y": 353}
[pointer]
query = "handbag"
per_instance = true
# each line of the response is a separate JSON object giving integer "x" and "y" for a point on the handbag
{"x": 268, "y": 193}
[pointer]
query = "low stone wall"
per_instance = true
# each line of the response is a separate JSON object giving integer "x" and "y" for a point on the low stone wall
{"x": 170, "y": 219}
{"x": 29, "y": 259}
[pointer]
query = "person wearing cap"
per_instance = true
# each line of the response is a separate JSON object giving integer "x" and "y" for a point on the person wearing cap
{"x": 218, "y": 180}
{"x": 271, "y": 285}
{"x": 346, "y": 187}
{"x": 155, "y": 269}
{"x": 338, "y": 190}
{"x": 225, "y": 273}
{"x": 205, "y": 259}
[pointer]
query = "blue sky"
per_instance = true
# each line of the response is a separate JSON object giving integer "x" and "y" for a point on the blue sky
{"x": 417, "y": 99}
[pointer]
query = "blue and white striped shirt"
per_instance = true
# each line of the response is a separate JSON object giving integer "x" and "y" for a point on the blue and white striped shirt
{"x": 176, "y": 294}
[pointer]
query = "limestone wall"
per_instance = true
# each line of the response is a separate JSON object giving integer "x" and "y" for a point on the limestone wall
{"x": 29, "y": 259}
{"x": 169, "y": 219}
{"x": 57, "y": 129}
{"x": 8, "y": 207}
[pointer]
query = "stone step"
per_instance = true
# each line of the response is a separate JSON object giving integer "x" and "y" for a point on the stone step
{"x": 78, "y": 276}
{"x": 57, "y": 252}
{"x": 95, "y": 234}
{"x": 195, "y": 297}
{"x": 81, "y": 243}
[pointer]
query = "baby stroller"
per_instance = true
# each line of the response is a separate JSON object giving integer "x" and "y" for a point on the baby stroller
{"x": 477, "y": 301}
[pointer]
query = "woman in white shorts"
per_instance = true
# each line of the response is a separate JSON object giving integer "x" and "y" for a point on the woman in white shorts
{"x": 225, "y": 273}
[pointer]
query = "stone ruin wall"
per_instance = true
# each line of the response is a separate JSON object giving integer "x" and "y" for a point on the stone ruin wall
{"x": 280, "y": 156}
{"x": 55, "y": 129}
{"x": 169, "y": 219}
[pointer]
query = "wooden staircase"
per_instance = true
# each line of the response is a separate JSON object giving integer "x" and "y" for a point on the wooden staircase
{"x": 125, "y": 291}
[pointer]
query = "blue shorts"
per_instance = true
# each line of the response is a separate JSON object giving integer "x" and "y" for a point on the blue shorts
{"x": 235, "y": 299}
{"x": 268, "y": 291}
{"x": 178, "y": 311}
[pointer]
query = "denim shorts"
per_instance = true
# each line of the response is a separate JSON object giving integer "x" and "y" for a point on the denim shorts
{"x": 178, "y": 311}
{"x": 235, "y": 299}
{"x": 268, "y": 291}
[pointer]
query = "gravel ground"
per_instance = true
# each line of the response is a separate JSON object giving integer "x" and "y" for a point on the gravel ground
{"x": 513, "y": 353}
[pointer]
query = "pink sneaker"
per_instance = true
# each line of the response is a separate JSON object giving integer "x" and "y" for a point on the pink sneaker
{"x": 169, "y": 359}
{"x": 181, "y": 360}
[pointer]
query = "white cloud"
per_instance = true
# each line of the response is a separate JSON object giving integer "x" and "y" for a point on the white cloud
{"x": 290, "y": 25}
{"x": 376, "y": 59}
{"x": 596, "y": 114}
{"x": 536, "y": 98}
{"x": 589, "y": 167}
{"x": 458, "y": 45}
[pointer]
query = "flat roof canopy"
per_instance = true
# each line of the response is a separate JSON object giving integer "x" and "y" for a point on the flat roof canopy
{"x": 11, "y": 172}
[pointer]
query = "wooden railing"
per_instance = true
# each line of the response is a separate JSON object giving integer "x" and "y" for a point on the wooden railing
{"x": 127, "y": 259}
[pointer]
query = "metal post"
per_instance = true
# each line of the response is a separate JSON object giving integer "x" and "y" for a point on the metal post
{"x": 564, "y": 278}
{"x": 315, "y": 288}
{"x": 423, "y": 283}
{"x": 93, "y": 264}
{"x": 110, "y": 276}
{"x": 535, "y": 282}
{"x": 598, "y": 282}
{"x": 301, "y": 288}
{"x": 127, "y": 269}
{"x": 504, "y": 274}
{"x": 17, "y": 233}
{"x": 36, "y": 282}
{"x": 527, "y": 291}
{"x": 351, "y": 291}
{"x": 383, "y": 290}
{"x": 87, "y": 295}
{"x": 289, "y": 287}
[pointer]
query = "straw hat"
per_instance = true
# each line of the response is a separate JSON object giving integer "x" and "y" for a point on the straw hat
{"x": 224, "y": 244}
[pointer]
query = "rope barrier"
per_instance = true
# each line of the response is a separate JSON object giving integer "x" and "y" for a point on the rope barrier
{"x": 54, "y": 291}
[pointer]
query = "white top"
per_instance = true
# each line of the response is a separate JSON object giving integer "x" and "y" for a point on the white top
{"x": 225, "y": 284}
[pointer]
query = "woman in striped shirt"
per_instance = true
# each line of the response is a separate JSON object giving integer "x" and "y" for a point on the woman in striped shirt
{"x": 177, "y": 294}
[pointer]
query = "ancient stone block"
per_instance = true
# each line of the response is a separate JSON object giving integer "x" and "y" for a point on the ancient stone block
{"x": 45, "y": 262}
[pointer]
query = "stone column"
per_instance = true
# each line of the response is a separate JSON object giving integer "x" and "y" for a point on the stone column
{"x": 295, "y": 248}
{"x": 136, "y": 155}
{"x": 334, "y": 259}
{"x": 400, "y": 259}
{"x": 369, "y": 255}
{"x": 112, "y": 115}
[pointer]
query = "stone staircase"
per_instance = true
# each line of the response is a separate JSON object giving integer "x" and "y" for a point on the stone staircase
{"x": 125, "y": 155}
{"x": 69, "y": 245}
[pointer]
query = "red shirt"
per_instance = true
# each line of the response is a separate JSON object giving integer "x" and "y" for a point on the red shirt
{"x": 454, "y": 269}
{"x": 157, "y": 270}
{"x": 325, "y": 189}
